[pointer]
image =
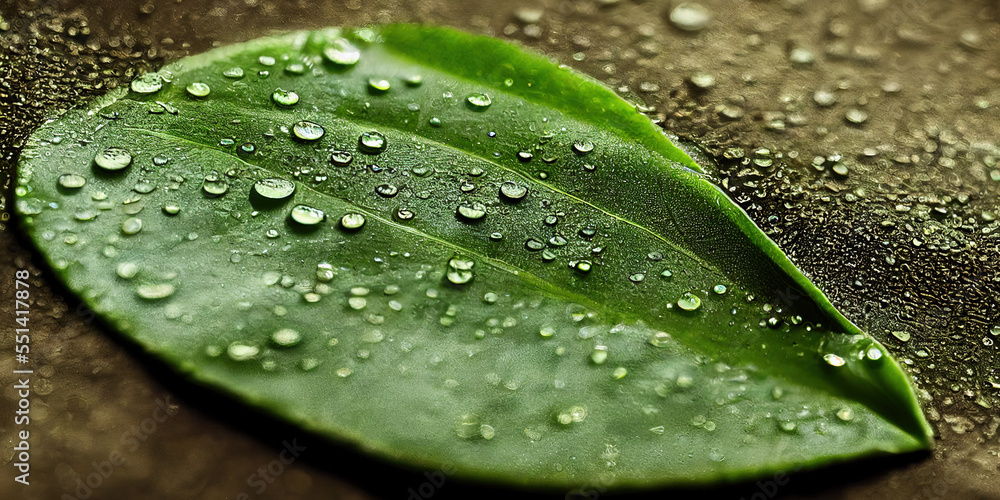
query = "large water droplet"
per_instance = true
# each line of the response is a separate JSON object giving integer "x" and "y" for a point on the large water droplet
{"x": 460, "y": 270}
{"x": 342, "y": 53}
{"x": 341, "y": 158}
{"x": 198, "y": 90}
{"x": 352, "y": 221}
{"x": 307, "y": 216}
{"x": 471, "y": 213}
{"x": 132, "y": 225}
{"x": 113, "y": 159}
{"x": 274, "y": 189}
{"x": 308, "y": 131}
{"x": 147, "y": 84}
{"x": 72, "y": 181}
{"x": 371, "y": 142}
{"x": 479, "y": 102}
{"x": 286, "y": 337}
{"x": 214, "y": 185}
{"x": 689, "y": 302}
{"x": 512, "y": 191}
{"x": 284, "y": 97}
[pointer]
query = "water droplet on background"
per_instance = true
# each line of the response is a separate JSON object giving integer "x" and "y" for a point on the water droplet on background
{"x": 308, "y": 131}
{"x": 113, "y": 159}
{"x": 147, "y": 84}
{"x": 352, "y": 221}
{"x": 284, "y": 97}
{"x": 72, "y": 181}
{"x": 198, "y": 90}
{"x": 479, "y": 102}
{"x": 274, "y": 189}
{"x": 371, "y": 142}
{"x": 341, "y": 52}
{"x": 307, "y": 216}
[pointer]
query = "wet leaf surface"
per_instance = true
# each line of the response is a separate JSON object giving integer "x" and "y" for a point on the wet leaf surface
{"x": 449, "y": 251}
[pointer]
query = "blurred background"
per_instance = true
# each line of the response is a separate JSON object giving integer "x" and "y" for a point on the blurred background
{"x": 863, "y": 136}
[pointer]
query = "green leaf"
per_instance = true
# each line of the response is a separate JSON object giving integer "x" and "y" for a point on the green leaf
{"x": 451, "y": 252}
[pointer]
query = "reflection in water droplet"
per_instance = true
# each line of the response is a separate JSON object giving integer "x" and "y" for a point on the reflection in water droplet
{"x": 404, "y": 215}
{"x": 198, "y": 90}
{"x": 833, "y": 360}
{"x": 113, "y": 159}
{"x": 371, "y": 142}
{"x": 386, "y": 190}
{"x": 307, "y": 216}
{"x": 689, "y": 302}
{"x": 72, "y": 181}
{"x": 352, "y": 221}
{"x": 147, "y": 84}
{"x": 308, "y": 131}
{"x": 274, "y": 189}
{"x": 342, "y": 53}
{"x": 583, "y": 147}
{"x": 378, "y": 85}
{"x": 341, "y": 158}
{"x": 534, "y": 245}
{"x": 479, "y": 102}
{"x": 512, "y": 191}
{"x": 214, "y": 185}
{"x": 460, "y": 270}
{"x": 471, "y": 213}
{"x": 284, "y": 97}
{"x": 719, "y": 289}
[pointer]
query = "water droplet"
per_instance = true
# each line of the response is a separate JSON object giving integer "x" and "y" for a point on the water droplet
{"x": 344, "y": 372}
{"x": 619, "y": 373}
{"x": 155, "y": 292}
{"x": 689, "y": 302}
{"x": 72, "y": 181}
{"x": 660, "y": 339}
{"x": 342, "y": 53}
{"x": 341, "y": 158}
{"x": 352, "y": 221}
{"x": 127, "y": 270}
{"x": 460, "y": 270}
{"x": 534, "y": 245}
{"x": 833, "y": 360}
{"x": 873, "y": 353}
{"x": 583, "y": 266}
{"x": 479, "y": 102}
{"x": 286, "y": 337}
{"x": 720, "y": 289}
{"x": 214, "y": 185}
{"x": 637, "y": 277}
{"x": 266, "y": 60}
{"x": 274, "y": 189}
{"x": 132, "y": 225}
{"x": 357, "y": 303}
{"x": 583, "y": 147}
{"x": 296, "y": 68}
{"x": 113, "y": 159}
{"x": 471, "y": 213}
{"x": 307, "y": 216}
{"x": 308, "y": 131}
{"x": 845, "y": 414}
{"x": 147, "y": 84}
{"x": 658, "y": 430}
{"x": 371, "y": 142}
{"x": 486, "y": 431}
{"x": 512, "y": 191}
{"x": 238, "y": 351}
{"x": 283, "y": 97}
{"x": 386, "y": 190}
{"x": 690, "y": 16}
{"x": 198, "y": 90}
{"x": 378, "y": 85}
{"x": 234, "y": 73}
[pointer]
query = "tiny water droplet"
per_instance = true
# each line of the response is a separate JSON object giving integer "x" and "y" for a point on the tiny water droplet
{"x": 308, "y": 131}
{"x": 113, "y": 159}
{"x": 307, "y": 216}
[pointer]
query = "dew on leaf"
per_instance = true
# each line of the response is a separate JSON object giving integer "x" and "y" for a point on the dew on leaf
{"x": 583, "y": 147}
{"x": 308, "y": 131}
{"x": 239, "y": 351}
{"x": 342, "y": 53}
{"x": 352, "y": 221}
{"x": 72, "y": 181}
{"x": 284, "y": 97}
{"x": 131, "y": 226}
{"x": 386, "y": 190}
{"x": 198, "y": 90}
{"x": 155, "y": 292}
{"x": 689, "y": 302}
{"x": 286, "y": 337}
{"x": 833, "y": 360}
{"x": 378, "y": 85}
{"x": 113, "y": 159}
{"x": 471, "y": 213}
{"x": 512, "y": 191}
{"x": 341, "y": 158}
{"x": 478, "y": 101}
{"x": 371, "y": 142}
{"x": 459, "y": 270}
{"x": 274, "y": 189}
{"x": 307, "y": 215}
{"x": 147, "y": 84}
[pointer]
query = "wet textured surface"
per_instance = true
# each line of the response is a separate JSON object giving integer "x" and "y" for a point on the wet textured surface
{"x": 896, "y": 221}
